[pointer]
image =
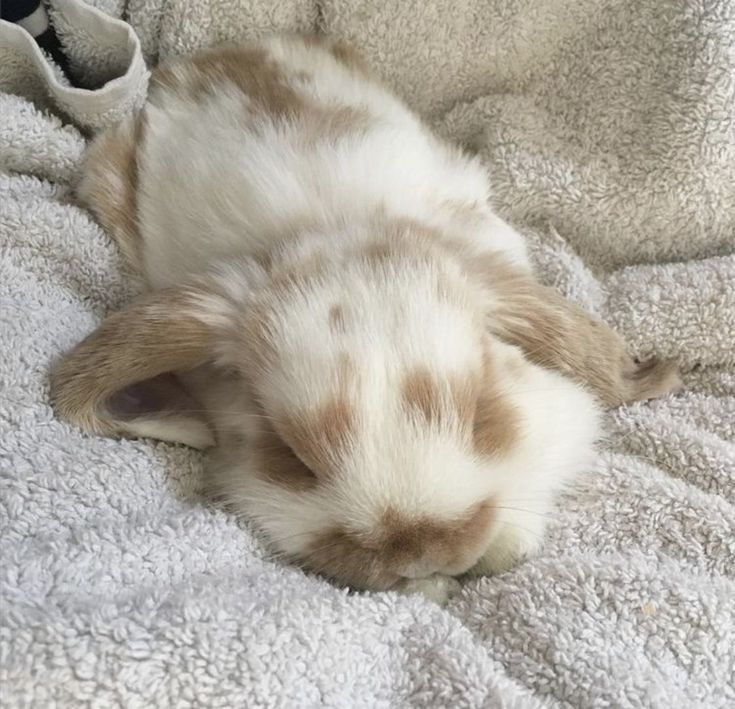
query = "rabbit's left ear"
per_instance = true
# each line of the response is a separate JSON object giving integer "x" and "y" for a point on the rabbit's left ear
{"x": 162, "y": 408}
{"x": 555, "y": 333}
{"x": 122, "y": 378}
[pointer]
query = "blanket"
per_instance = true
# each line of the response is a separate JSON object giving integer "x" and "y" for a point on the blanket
{"x": 608, "y": 129}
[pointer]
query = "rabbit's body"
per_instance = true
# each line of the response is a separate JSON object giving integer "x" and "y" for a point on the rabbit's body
{"x": 337, "y": 149}
{"x": 355, "y": 329}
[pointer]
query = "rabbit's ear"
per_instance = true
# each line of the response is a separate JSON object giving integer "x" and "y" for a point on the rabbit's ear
{"x": 555, "y": 333}
{"x": 121, "y": 379}
{"x": 161, "y": 408}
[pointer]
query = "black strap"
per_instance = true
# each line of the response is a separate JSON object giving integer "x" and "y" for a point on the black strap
{"x": 19, "y": 10}
{"x": 14, "y": 10}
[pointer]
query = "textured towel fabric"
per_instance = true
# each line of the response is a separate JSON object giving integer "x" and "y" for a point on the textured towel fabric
{"x": 609, "y": 130}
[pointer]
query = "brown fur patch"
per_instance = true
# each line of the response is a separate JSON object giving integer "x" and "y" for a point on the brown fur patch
{"x": 376, "y": 561}
{"x": 421, "y": 396}
{"x": 474, "y": 404}
{"x": 555, "y": 333}
{"x": 335, "y": 423}
{"x": 406, "y": 537}
{"x": 496, "y": 427}
{"x": 110, "y": 184}
{"x": 332, "y": 123}
{"x": 342, "y": 51}
{"x": 155, "y": 335}
{"x": 652, "y": 378}
{"x": 341, "y": 557}
{"x": 465, "y": 391}
{"x": 405, "y": 243}
{"x": 268, "y": 85}
{"x": 320, "y": 438}
{"x": 279, "y": 464}
{"x": 408, "y": 237}
{"x": 251, "y": 69}
{"x": 296, "y": 277}
{"x": 463, "y": 211}
{"x": 351, "y": 58}
{"x": 381, "y": 251}
{"x": 257, "y": 334}
{"x": 337, "y": 323}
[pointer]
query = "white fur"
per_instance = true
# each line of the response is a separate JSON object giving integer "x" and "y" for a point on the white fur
{"x": 252, "y": 180}
{"x": 219, "y": 184}
{"x": 430, "y": 475}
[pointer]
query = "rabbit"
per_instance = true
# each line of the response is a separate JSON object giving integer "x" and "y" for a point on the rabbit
{"x": 332, "y": 308}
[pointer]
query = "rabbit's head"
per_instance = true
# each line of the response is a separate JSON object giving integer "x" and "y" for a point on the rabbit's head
{"x": 365, "y": 419}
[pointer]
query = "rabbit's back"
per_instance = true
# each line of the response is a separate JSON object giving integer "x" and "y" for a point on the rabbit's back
{"x": 244, "y": 146}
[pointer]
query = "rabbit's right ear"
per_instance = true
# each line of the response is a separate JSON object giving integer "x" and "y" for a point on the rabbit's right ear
{"x": 555, "y": 333}
{"x": 121, "y": 379}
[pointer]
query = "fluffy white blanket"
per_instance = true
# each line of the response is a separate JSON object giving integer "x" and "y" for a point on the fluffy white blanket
{"x": 609, "y": 130}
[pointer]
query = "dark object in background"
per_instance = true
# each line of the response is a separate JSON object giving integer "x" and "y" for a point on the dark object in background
{"x": 31, "y": 15}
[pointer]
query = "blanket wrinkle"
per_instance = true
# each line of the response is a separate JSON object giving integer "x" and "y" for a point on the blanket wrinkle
{"x": 609, "y": 132}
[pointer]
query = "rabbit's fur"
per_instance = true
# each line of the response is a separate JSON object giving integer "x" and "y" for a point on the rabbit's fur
{"x": 391, "y": 397}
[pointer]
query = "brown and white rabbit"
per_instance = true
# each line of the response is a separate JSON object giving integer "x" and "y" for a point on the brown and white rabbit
{"x": 332, "y": 305}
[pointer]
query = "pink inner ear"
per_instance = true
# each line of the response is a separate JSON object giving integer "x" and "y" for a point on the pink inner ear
{"x": 163, "y": 395}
